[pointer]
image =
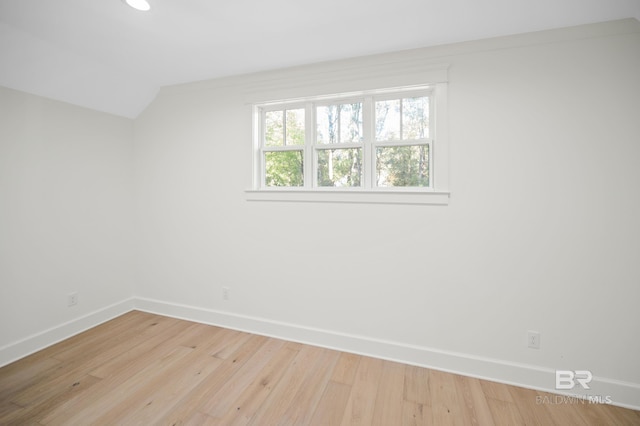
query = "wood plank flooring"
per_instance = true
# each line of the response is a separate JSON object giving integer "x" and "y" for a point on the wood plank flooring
{"x": 145, "y": 369}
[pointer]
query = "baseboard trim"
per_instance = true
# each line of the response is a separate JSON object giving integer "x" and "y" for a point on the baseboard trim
{"x": 623, "y": 394}
{"x": 619, "y": 393}
{"x": 14, "y": 351}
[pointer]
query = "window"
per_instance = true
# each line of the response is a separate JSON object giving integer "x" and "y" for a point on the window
{"x": 354, "y": 148}
{"x": 283, "y": 147}
{"x": 402, "y": 142}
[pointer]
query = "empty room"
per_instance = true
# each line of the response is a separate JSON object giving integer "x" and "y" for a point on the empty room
{"x": 319, "y": 213}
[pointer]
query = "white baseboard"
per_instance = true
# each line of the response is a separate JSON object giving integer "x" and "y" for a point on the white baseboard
{"x": 620, "y": 393}
{"x": 46, "y": 338}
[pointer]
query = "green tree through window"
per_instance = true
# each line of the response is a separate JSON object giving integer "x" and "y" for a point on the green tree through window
{"x": 338, "y": 151}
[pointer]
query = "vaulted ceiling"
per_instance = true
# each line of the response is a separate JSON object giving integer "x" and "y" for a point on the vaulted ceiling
{"x": 104, "y": 55}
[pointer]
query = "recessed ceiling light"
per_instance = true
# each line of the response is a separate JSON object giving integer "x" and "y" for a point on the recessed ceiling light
{"x": 139, "y": 4}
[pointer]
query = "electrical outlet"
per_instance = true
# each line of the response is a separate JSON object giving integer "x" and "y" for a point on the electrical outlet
{"x": 225, "y": 293}
{"x": 72, "y": 299}
{"x": 533, "y": 339}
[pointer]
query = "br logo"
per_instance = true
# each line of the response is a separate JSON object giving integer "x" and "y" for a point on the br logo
{"x": 566, "y": 379}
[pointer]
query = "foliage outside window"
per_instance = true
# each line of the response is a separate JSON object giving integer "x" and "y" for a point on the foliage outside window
{"x": 284, "y": 139}
{"x": 367, "y": 143}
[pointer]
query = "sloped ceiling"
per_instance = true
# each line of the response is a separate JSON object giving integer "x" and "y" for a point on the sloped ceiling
{"x": 103, "y": 55}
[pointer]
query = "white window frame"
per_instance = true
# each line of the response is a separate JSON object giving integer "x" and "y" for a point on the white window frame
{"x": 437, "y": 192}
{"x": 258, "y": 137}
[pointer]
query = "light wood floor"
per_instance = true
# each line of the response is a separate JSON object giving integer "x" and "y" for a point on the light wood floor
{"x": 147, "y": 369}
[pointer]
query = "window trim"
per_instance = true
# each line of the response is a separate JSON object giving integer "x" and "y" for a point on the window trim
{"x": 349, "y": 196}
{"x": 437, "y": 194}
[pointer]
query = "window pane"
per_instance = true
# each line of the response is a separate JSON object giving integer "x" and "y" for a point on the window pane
{"x": 402, "y": 165}
{"x": 340, "y": 167}
{"x": 388, "y": 120}
{"x": 327, "y": 128}
{"x": 274, "y": 128}
{"x": 351, "y": 123}
{"x": 284, "y": 168}
{"x": 339, "y": 123}
{"x": 295, "y": 126}
{"x": 415, "y": 118}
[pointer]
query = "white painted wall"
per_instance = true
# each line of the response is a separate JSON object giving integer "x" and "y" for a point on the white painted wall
{"x": 542, "y": 231}
{"x": 65, "y": 214}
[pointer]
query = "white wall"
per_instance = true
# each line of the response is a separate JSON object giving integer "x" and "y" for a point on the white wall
{"x": 66, "y": 217}
{"x": 541, "y": 233}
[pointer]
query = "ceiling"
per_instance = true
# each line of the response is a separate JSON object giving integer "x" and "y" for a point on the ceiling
{"x": 104, "y": 55}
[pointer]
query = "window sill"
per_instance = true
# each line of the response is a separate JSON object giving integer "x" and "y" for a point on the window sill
{"x": 349, "y": 196}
